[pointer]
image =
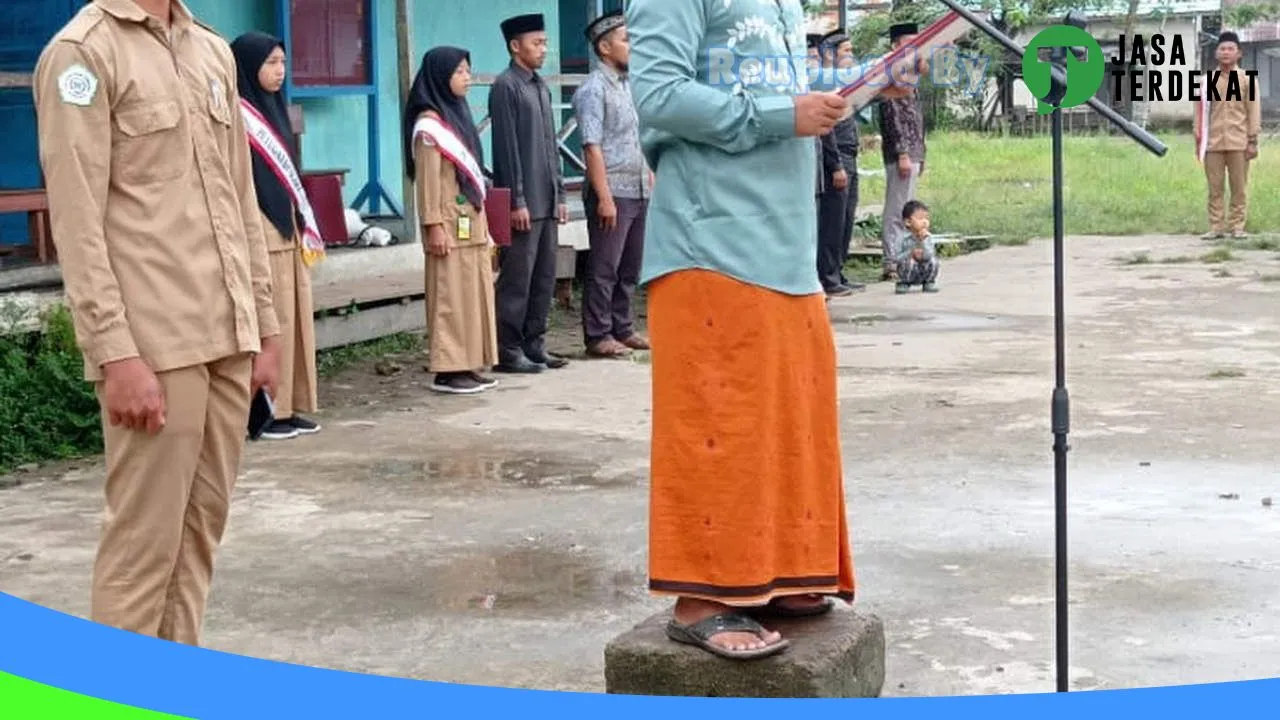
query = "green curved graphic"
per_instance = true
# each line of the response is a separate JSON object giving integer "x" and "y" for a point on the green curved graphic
{"x": 1084, "y": 78}
{"x": 22, "y": 699}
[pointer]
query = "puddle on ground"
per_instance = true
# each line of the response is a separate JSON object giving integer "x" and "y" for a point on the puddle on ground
{"x": 922, "y": 322}
{"x": 494, "y": 472}
{"x": 529, "y": 580}
{"x": 496, "y": 582}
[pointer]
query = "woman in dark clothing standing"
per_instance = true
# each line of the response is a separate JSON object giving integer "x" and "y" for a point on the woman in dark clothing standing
{"x": 293, "y": 240}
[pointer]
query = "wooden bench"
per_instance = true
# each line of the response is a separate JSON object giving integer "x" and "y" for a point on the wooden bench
{"x": 35, "y": 203}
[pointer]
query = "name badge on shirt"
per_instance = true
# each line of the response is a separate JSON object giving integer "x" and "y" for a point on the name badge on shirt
{"x": 464, "y": 227}
{"x": 217, "y": 97}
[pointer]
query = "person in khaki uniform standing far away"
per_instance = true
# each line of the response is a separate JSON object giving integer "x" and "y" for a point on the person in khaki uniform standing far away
{"x": 157, "y": 228}
{"x": 289, "y": 225}
{"x": 1233, "y": 114}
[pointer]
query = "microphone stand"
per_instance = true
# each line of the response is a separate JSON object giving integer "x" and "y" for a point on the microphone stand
{"x": 1060, "y": 405}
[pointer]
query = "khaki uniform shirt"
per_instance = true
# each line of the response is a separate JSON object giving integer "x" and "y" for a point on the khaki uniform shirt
{"x": 1234, "y": 123}
{"x": 151, "y": 197}
{"x": 440, "y": 198}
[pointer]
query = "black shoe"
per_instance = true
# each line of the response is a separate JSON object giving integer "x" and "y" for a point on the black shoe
{"x": 280, "y": 430}
{"x": 902, "y": 288}
{"x": 456, "y": 384}
{"x": 519, "y": 365}
{"x": 485, "y": 382}
{"x": 855, "y": 286}
{"x": 303, "y": 425}
{"x": 550, "y": 360}
{"x": 839, "y": 291}
{"x": 930, "y": 287}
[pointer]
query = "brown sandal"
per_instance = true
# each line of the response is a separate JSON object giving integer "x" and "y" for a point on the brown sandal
{"x": 608, "y": 348}
{"x": 635, "y": 341}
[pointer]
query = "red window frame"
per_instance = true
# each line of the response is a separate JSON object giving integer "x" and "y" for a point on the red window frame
{"x": 330, "y": 43}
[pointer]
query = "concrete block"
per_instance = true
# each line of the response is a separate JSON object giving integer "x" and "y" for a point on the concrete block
{"x": 566, "y": 263}
{"x": 840, "y": 655}
{"x": 371, "y": 324}
{"x": 574, "y": 235}
{"x": 344, "y": 264}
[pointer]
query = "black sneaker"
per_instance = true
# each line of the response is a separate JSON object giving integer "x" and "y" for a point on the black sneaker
{"x": 855, "y": 286}
{"x": 485, "y": 382}
{"x": 280, "y": 430}
{"x": 550, "y": 360}
{"x": 902, "y": 288}
{"x": 930, "y": 287}
{"x": 519, "y": 365}
{"x": 303, "y": 425}
{"x": 839, "y": 291}
{"x": 456, "y": 384}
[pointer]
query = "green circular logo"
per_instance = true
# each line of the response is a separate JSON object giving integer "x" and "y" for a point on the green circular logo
{"x": 1084, "y": 77}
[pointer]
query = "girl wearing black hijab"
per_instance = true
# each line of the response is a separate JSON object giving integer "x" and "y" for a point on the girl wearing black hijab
{"x": 444, "y": 157}
{"x": 292, "y": 243}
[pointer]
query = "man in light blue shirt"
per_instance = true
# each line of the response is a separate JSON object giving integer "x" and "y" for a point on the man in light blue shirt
{"x": 747, "y": 517}
{"x": 615, "y": 196}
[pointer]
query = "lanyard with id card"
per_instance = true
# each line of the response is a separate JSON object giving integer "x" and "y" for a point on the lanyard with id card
{"x": 464, "y": 222}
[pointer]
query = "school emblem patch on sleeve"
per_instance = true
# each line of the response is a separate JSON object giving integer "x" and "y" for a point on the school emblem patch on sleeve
{"x": 77, "y": 85}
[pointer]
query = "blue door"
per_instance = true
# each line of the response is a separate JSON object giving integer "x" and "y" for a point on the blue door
{"x": 25, "y": 28}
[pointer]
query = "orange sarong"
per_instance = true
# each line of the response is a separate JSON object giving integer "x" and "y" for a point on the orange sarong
{"x": 746, "y": 491}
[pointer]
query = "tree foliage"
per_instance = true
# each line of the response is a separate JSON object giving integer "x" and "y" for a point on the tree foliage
{"x": 1247, "y": 13}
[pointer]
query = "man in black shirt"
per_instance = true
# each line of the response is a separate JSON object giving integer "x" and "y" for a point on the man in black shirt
{"x": 526, "y": 160}
{"x": 839, "y": 190}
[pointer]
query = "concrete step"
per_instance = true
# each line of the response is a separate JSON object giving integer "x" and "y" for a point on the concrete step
{"x": 840, "y": 655}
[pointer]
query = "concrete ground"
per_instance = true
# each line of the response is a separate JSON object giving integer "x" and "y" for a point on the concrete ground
{"x": 500, "y": 540}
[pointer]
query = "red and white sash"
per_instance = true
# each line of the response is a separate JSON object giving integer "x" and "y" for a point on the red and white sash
{"x": 271, "y": 148}
{"x": 451, "y": 146}
{"x": 1202, "y": 134}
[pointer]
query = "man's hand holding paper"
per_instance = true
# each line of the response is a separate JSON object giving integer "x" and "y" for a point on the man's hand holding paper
{"x": 818, "y": 112}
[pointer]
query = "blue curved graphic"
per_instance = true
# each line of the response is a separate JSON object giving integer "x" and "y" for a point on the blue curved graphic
{"x": 68, "y": 653}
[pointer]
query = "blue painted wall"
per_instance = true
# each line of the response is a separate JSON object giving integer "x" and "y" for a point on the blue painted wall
{"x": 479, "y": 32}
{"x": 234, "y": 17}
{"x": 336, "y": 136}
{"x": 25, "y": 27}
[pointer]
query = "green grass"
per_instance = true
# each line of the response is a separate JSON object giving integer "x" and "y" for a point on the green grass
{"x": 334, "y": 361}
{"x": 1218, "y": 255}
{"x": 987, "y": 185}
{"x": 47, "y": 410}
{"x": 1226, "y": 374}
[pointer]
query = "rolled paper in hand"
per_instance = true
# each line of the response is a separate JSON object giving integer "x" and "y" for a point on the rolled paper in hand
{"x": 904, "y": 61}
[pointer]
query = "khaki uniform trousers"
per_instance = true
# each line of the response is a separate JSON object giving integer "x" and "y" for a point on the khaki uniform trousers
{"x": 1218, "y": 167}
{"x": 167, "y": 501}
{"x": 297, "y": 390}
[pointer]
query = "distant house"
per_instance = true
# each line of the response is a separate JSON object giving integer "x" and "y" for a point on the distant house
{"x": 827, "y": 15}
{"x": 1260, "y": 46}
{"x": 1194, "y": 22}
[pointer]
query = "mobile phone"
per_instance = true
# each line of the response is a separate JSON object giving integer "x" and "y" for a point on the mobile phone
{"x": 261, "y": 412}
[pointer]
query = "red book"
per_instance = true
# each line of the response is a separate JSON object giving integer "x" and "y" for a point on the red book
{"x": 497, "y": 211}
